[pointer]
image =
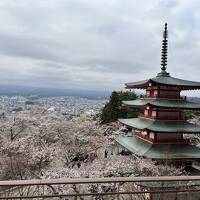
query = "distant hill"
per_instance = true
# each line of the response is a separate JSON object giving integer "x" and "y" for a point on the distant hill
{"x": 194, "y": 99}
{"x": 25, "y": 91}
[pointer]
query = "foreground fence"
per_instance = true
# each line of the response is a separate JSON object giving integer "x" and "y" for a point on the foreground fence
{"x": 174, "y": 187}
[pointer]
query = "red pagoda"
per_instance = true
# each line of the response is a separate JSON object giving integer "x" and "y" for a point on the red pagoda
{"x": 158, "y": 132}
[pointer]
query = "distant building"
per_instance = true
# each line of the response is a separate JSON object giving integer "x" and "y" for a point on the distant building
{"x": 51, "y": 109}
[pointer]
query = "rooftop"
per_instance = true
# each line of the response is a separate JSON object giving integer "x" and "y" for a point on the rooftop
{"x": 161, "y": 126}
{"x": 165, "y": 80}
{"x": 159, "y": 151}
{"x": 164, "y": 103}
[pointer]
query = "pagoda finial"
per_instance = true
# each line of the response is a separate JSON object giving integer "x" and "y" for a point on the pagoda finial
{"x": 164, "y": 53}
{"x": 164, "y": 49}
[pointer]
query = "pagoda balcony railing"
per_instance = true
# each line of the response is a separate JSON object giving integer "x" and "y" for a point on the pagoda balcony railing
{"x": 160, "y": 141}
{"x": 177, "y": 141}
{"x": 167, "y": 118}
{"x": 170, "y": 97}
{"x": 145, "y": 137}
{"x": 142, "y": 115}
{"x": 164, "y": 97}
{"x": 171, "y": 118}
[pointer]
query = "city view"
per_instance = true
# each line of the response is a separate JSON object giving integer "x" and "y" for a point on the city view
{"x": 69, "y": 106}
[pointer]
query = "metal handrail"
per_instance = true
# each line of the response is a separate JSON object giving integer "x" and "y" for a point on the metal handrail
{"x": 97, "y": 180}
{"x": 20, "y": 184}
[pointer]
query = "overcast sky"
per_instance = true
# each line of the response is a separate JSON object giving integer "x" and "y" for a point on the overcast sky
{"x": 96, "y": 44}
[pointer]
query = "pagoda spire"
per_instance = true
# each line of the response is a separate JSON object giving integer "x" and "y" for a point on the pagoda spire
{"x": 164, "y": 49}
{"x": 164, "y": 53}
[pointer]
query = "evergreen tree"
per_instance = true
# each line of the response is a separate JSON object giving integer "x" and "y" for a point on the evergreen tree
{"x": 112, "y": 110}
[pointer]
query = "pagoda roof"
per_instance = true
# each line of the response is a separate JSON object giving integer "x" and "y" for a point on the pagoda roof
{"x": 159, "y": 151}
{"x": 163, "y": 103}
{"x": 161, "y": 126}
{"x": 165, "y": 80}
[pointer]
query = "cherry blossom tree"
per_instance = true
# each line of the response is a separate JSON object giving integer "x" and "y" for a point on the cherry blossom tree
{"x": 41, "y": 144}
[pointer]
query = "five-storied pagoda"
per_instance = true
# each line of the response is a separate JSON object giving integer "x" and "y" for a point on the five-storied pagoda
{"x": 158, "y": 132}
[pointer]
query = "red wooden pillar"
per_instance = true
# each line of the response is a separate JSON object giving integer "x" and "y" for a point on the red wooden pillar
{"x": 155, "y": 137}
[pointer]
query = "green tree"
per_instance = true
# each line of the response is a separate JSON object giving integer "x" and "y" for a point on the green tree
{"x": 112, "y": 110}
{"x": 189, "y": 114}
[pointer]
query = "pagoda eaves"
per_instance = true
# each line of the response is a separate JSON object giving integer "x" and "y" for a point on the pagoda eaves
{"x": 159, "y": 151}
{"x": 164, "y": 81}
{"x": 162, "y": 103}
{"x": 161, "y": 126}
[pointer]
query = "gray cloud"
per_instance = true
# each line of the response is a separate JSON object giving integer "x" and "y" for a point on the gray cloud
{"x": 96, "y": 44}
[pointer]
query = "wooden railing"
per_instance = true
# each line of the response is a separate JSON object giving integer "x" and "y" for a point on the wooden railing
{"x": 171, "y": 118}
{"x": 142, "y": 115}
{"x": 167, "y": 118}
{"x": 145, "y": 137}
{"x": 162, "y": 141}
{"x": 58, "y": 188}
{"x": 175, "y": 97}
